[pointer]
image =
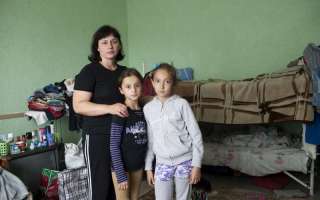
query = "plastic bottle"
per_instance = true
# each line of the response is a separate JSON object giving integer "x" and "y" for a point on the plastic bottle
{"x": 32, "y": 146}
{"x": 53, "y": 135}
{"x": 34, "y": 139}
{"x": 49, "y": 136}
{"x": 44, "y": 143}
{"x": 10, "y": 137}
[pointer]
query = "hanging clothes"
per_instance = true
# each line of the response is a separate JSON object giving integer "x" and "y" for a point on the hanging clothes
{"x": 311, "y": 56}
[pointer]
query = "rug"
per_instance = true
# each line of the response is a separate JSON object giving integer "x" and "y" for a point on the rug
{"x": 231, "y": 194}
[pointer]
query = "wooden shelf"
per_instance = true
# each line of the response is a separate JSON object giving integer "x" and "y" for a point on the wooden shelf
{"x": 29, "y": 153}
{"x": 12, "y": 115}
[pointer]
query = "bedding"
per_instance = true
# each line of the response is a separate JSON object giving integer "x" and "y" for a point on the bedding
{"x": 258, "y": 152}
{"x": 276, "y": 97}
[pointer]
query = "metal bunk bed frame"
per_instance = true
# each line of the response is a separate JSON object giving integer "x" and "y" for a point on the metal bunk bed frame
{"x": 311, "y": 151}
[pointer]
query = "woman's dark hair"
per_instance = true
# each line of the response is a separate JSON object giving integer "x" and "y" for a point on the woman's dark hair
{"x": 127, "y": 73}
{"x": 169, "y": 68}
{"x": 103, "y": 32}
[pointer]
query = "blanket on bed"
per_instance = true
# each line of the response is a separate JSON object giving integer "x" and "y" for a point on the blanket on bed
{"x": 258, "y": 151}
{"x": 279, "y": 96}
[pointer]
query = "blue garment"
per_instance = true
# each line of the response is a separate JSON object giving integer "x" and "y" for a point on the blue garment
{"x": 315, "y": 87}
{"x": 51, "y": 89}
{"x": 313, "y": 130}
{"x": 185, "y": 73}
{"x": 311, "y": 56}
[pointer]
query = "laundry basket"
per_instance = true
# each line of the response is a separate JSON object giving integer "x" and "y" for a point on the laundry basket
{"x": 73, "y": 184}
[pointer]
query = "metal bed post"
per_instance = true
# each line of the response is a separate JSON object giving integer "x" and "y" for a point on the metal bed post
{"x": 310, "y": 187}
{"x": 311, "y": 156}
{"x": 311, "y": 191}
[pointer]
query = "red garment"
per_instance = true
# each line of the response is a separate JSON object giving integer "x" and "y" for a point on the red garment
{"x": 147, "y": 86}
{"x": 272, "y": 182}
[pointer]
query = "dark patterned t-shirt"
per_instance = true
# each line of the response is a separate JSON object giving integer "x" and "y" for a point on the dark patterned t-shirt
{"x": 128, "y": 143}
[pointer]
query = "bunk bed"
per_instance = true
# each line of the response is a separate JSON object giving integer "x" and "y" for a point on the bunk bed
{"x": 269, "y": 98}
{"x": 260, "y": 151}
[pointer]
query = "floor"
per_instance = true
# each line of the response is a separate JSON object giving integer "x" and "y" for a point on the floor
{"x": 244, "y": 182}
{"x": 144, "y": 188}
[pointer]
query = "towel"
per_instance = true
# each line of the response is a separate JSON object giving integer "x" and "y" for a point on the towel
{"x": 39, "y": 116}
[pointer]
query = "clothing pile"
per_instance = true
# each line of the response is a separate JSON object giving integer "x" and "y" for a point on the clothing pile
{"x": 11, "y": 187}
{"x": 49, "y": 103}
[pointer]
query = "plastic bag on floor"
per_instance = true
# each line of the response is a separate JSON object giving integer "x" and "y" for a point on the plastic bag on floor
{"x": 200, "y": 190}
{"x": 49, "y": 184}
{"x": 74, "y": 155}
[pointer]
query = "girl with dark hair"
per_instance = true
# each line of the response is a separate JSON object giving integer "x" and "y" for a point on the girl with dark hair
{"x": 96, "y": 97}
{"x": 128, "y": 142}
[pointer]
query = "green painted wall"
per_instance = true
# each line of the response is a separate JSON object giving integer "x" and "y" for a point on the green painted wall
{"x": 45, "y": 41}
{"x": 227, "y": 39}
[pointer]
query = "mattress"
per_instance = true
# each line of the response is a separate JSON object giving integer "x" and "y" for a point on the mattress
{"x": 255, "y": 161}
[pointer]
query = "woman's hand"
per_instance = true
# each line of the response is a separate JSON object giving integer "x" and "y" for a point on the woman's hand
{"x": 119, "y": 109}
{"x": 150, "y": 178}
{"x": 123, "y": 185}
{"x": 195, "y": 175}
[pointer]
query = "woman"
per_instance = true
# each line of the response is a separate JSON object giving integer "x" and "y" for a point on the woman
{"x": 96, "y": 97}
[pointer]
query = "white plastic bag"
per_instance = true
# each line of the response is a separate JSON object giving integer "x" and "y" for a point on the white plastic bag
{"x": 73, "y": 155}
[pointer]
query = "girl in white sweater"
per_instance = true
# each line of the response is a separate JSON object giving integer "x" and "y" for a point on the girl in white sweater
{"x": 174, "y": 138}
